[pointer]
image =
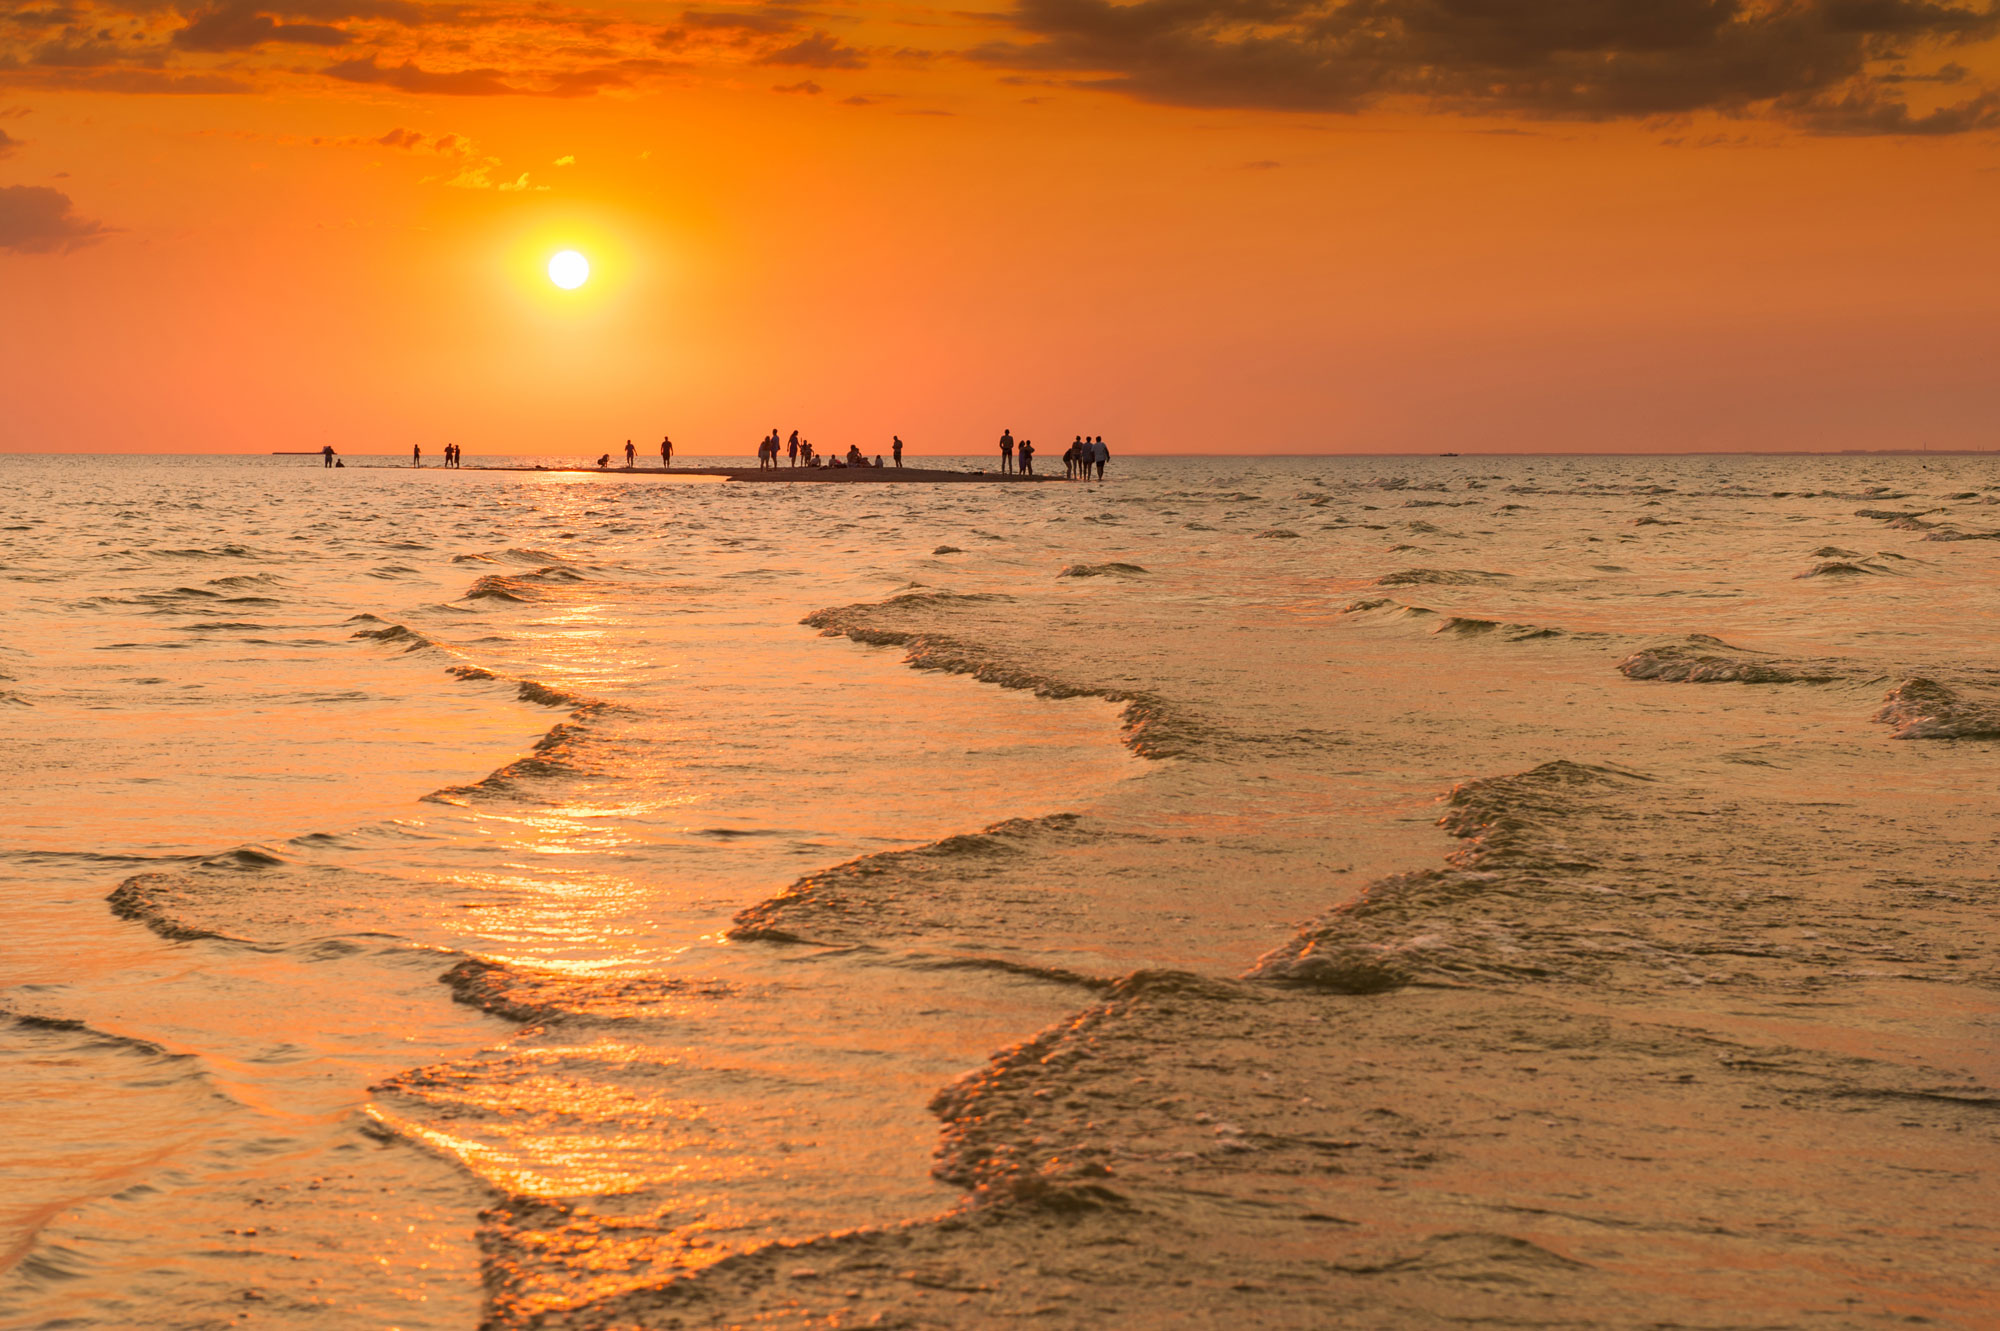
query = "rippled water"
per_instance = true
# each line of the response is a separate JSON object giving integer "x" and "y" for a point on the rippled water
{"x": 716, "y": 916}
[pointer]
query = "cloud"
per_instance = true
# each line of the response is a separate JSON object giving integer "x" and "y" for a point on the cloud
{"x": 1803, "y": 60}
{"x": 239, "y": 27}
{"x": 37, "y": 220}
{"x": 9, "y": 145}
{"x": 400, "y": 138}
{"x": 808, "y": 87}
{"x": 406, "y": 77}
{"x": 819, "y": 51}
{"x": 770, "y": 21}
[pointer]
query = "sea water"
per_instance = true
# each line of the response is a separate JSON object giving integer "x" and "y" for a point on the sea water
{"x": 444, "y": 894}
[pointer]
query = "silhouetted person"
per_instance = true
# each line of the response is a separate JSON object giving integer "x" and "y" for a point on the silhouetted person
{"x": 603, "y": 461}
{"x": 629, "y": 455}
{"x": 1006, "y": 451}
{"x": 896, "y": 450}
{"x": 326, "y": 455}
{"x": 792, "y": 448}
{"x": 1100, "y": 455}
{"x": 666, "y": 452}
{"x": 1027, "y": 451}
{"x": 416, "y": 455}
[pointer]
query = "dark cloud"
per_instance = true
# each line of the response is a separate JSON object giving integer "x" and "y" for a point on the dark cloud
{"x": 37, "y": 220}
{"x": 400, "y": 138}
{"x": 408, "y": 78}
{"x": 767, "y": 22}
{"x": 819, "y": 51}
{"x": 1863, "y": 114}
{"x": 1586, "y": 59}
{"x": 240, "y": 28}
{"x": 9, "y": 145}
{"x": 808, "y": 87}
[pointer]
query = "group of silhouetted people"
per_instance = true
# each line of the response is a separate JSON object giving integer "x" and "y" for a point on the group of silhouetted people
{"x": 800, "y": 453}
{"x": 632, "y": 455}
{"x": 1084, "y": 454}
{"x": 1082, "y": 460}
{"x": 1078, "y": 458}
{"x": 452, "y": 453}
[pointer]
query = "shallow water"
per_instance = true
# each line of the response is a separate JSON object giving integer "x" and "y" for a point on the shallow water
{"x": 288, "y": 746}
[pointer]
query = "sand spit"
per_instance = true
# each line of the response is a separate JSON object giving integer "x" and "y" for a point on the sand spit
{"x": 802, "y": 475}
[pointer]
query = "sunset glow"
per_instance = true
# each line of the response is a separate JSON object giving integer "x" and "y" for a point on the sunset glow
{"x": 1418, "y": 229}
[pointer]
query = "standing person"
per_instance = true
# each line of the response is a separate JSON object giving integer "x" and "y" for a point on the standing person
{"x": 326, "y": 454}
{"x": 1006, "y": 451}
{"x": 1101, "y": 455}
{"x": 793, "y": 447}
{"x": 416, "y": 455}
{"x": 629, "y": 455}
{"x": 666, "y": 452}
{"x": 1027, "y": 457}
{"x": 896, "y": 450}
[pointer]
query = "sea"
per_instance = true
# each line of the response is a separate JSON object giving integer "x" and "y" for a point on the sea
{"x": 1291, "y": 891}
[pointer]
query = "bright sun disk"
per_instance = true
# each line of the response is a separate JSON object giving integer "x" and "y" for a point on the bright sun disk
{"x": 569, "y": 270}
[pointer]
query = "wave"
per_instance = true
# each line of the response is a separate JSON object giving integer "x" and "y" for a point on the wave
{"x": 554, "y": 756}
{"x": 1921, "y": 708}
{"x": 1441, "y": 577}
{"x": 1395, "y": 933}
{"x": 1842, "y": 568}
{"x": 411, "y": 640}
{"x": 531, "y": 995}
{"x": 1700, "y": 659}
{"x": 1153, "y": 728}
{"x": 892, "y": 894}
{"x": 1464, "y": 626}
{"x": 502, "y": 587}
{"x": 1112, "y": 569}
{"x": 147, "y": 899}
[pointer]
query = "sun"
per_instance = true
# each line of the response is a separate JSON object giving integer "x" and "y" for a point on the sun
{"x": 569, "y": 270}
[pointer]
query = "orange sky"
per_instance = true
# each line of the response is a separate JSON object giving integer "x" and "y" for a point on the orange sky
{"x": 1188, "y": 225}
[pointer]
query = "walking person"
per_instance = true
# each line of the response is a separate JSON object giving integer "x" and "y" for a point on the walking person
{"x": 629, "y": 455}
{"x": 1006, "y": 451}
{"x": 666, "y": 452}
{"x": 896, "y": 450}
{"x": 1100, "y": 455}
